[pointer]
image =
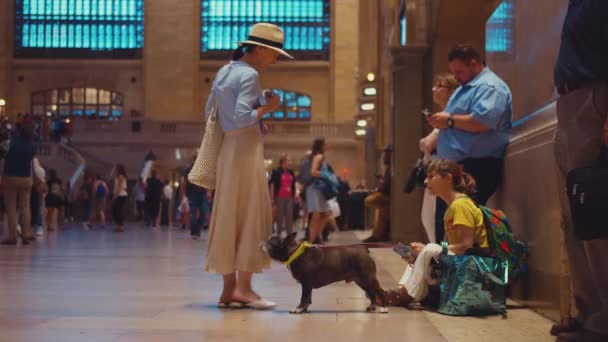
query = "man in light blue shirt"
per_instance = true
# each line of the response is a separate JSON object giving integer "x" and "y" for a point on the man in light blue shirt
{"x": 474, "y": 128}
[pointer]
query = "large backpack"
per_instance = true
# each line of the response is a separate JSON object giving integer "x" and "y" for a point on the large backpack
{"x": 304, "y": 174}
{"x": 100, "y": 192}
{"x": 503, "y": 243}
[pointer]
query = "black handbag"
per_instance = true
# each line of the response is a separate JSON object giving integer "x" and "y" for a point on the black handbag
{"x": 416, "y": 177}
{"x": 587, "y": 191}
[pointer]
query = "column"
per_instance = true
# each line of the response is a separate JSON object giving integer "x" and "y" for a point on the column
{"x": 171, "y": 60}
{"x": 408, "y": 84}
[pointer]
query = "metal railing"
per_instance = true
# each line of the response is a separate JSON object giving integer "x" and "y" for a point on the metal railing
{"x": 49, "y": 151}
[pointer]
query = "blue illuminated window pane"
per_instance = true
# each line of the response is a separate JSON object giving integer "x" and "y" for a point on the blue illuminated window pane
{"x": 294, "y": 106}
{"x": 499, "y": 29}
{"x": 305, "y": 114}
{"x": 305, "y": 24}
{"x": 402, "y": 26}
{"x": 304, "y": 101}
{"x": 403, "y": 36}
{"x": 79, "y": 28}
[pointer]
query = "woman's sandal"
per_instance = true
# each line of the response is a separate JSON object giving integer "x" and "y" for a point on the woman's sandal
{"x": 229, "y": 304}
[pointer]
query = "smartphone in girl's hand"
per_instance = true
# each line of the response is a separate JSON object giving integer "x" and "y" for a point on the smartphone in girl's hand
{"x": 405, "y": 251}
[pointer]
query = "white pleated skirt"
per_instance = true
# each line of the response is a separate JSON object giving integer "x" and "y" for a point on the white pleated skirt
{"x": 241, "y": 219}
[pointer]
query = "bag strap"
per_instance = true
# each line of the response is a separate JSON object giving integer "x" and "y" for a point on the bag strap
{"x": 490, "y": 273}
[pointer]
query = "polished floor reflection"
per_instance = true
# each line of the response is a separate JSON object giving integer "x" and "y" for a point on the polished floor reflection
{"x": 148, "y": 285}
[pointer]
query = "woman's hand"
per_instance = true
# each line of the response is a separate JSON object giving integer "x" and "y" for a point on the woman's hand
{"x": 274, "y": 101}
{"x": 272, "y": 104}
{"x": 264, "y": 129}
{"x": 417, "y": 247}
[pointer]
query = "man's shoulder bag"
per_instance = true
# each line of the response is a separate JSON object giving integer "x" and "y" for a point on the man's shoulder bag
{"x": 587, "y": 191}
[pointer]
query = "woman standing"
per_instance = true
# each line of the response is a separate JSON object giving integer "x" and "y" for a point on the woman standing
{"x": 242, "y": 215}
{"x": 315, "y": 200}
{"x": 283, "y": 190}
{"x": 53, "y": 201}
{"x": 443, "y": 88}
{"x": 119, "y": 195}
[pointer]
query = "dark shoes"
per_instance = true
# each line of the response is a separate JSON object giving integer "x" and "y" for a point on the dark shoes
{"x": 569, "y": 326}
{"x": 13, "y": 242}
{"x": 581, "y": 336}
{"x": 396, "y": 297}
{"x": 572, "y": 331}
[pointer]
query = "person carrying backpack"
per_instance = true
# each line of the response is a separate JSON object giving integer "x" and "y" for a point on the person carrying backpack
{"x": 98, "y": 201}
{"x": 464, "y": 226}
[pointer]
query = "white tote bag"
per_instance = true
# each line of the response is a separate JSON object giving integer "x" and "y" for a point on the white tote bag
{"x": 204, "y": 170}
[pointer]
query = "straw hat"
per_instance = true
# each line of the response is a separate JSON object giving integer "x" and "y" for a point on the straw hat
{"x": 267, "y": 35}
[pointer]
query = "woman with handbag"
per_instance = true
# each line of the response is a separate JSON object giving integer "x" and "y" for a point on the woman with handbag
{"x": 242, "y": 215}
{"x": 464, "y": 228}
{"x": 316, "y": 201}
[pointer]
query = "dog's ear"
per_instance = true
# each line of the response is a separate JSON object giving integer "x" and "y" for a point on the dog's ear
{"x": 290, "y": 238}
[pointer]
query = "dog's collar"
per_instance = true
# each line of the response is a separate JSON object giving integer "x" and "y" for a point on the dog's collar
{"x": 301, "y": 249}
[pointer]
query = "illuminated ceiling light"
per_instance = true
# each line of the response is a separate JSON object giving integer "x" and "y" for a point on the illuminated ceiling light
{"x": 371, "y": 76}
{"x": 176, "y": 184}
{"x": 369, "y": 91}
{"x": 67, "y": 120}
{"x": 368, "y": 106}
{"x": 360, "y": 132}
{"x": 361, "y": 123}
{"x": 2, "y": 102}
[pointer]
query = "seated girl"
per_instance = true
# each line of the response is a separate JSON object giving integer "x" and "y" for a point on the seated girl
{"x": 464, "y": 228}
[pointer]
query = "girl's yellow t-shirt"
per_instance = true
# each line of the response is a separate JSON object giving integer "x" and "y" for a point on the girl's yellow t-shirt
{"x": 463, "y": 211}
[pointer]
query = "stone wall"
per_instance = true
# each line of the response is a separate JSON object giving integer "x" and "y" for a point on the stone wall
{"x": 529, "y": 69}
{"x": 171, "y": 82}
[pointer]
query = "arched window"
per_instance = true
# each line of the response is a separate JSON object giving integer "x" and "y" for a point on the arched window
{"x": 499, "y": 29}
{"x": 88, "y": 102}
{"x": 294, "y": 106}
{"x": 79, "y": 28}
{"x": 305, "y": 23}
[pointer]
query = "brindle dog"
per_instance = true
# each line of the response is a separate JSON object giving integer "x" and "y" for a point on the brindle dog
{"x": 319, "y": 266}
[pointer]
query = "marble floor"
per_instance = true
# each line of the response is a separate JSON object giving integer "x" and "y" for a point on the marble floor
{"x": 148, "y": 285}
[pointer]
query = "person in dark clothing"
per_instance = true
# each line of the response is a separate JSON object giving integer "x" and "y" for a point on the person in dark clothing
{"x": 17, "y": 183}
{"x": 282, "y": 191}
{"x": 380, "y": 201}
{"x": 343, "y": 191}
{"x": 198, "y": 203}
{"x": 154, "y": 188}
{"x": 581, "y": 79}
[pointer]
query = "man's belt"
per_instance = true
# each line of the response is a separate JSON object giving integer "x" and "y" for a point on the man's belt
{"x": 571, "y": 86}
